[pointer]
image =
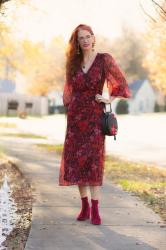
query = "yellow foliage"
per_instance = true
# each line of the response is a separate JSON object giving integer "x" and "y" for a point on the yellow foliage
{"x": 7, "y": 51}
{"x": 44, "y": 68}
{"x": 155, "y": 60}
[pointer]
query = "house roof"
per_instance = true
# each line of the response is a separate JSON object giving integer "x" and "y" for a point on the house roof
{"x": 7, "y": 86}
{"x": 135, "y": 86}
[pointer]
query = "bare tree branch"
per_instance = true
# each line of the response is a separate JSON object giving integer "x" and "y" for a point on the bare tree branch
{"x": 3, "y": 1}
{"x": 159, "y": 6}
{"x": 1, "y": 4}
{"x": 140, "y": 4}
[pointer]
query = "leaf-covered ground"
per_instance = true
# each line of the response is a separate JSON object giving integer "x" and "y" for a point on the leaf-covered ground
{"x": 22, "y": 195}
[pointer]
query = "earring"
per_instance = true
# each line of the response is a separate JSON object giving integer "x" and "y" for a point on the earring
{"x": 78, "y": 49}
{"x": 93, "y": 44}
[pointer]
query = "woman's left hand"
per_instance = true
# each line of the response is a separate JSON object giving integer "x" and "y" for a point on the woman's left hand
{"x": 100, "y": 98}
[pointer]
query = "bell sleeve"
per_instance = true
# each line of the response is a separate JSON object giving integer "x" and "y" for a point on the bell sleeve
{"x": 67, "y": 94}
{"x": 115, "y": 78}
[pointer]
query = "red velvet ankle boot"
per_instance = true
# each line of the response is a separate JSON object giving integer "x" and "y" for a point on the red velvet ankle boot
{"x": 85, "y": 211}
{"x": 95, "y": 217}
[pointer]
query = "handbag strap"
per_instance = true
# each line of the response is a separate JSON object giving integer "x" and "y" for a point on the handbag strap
{"x": 102, "y": 89}
{"x": 108, "y": 104}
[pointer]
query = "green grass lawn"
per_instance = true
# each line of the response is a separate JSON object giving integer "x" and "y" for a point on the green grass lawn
{"x": 23, "y": 135}
{"x": 1, "y": 152}
{"x": 51, "y": 148}
{"x": 147, "y": 182}
{"x": 7, "y": 125}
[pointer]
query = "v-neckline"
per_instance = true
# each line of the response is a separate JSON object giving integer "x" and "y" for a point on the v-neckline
{"x": 85, "y": 73}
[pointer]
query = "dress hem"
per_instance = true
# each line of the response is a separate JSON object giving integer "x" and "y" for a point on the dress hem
{"x": 81, "y": 184}
{"x": 63, "y": 182}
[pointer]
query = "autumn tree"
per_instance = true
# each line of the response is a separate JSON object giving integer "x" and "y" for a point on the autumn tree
{"x": 42, "y": 67}
{"x": 7, "y": 53}
{"x": 129, "y": 50}
{"x": 155, "y": 60}
{"x": 156, "y": 56}
{"x": 9, "y": 61}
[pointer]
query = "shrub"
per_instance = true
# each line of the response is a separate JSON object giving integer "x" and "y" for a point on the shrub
{"x": 122, "y": 107}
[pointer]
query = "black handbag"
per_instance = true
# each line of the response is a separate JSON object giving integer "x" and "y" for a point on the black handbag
{"x": 109, "y": 123}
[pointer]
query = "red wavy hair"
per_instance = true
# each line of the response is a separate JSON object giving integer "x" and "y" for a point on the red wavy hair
{"x": 73, "y": 60}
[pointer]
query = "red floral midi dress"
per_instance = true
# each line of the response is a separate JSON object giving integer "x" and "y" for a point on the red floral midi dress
{"x": 82, "y": 161}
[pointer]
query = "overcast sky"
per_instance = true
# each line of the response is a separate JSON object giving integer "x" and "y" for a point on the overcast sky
{"x": 60, "y": 17}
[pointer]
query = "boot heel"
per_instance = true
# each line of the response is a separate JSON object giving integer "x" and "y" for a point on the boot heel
{"x": 88, "y": 214}
{"x": 85, "y": 211}
{"x": 95, "y": 217}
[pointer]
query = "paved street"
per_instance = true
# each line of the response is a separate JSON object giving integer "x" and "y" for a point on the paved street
{"x": 140, "y": 138}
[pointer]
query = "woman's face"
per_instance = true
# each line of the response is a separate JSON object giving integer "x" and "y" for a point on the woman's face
{"x": 85, "y": 39}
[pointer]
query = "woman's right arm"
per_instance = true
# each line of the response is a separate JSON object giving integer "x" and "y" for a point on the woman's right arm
{"x": 67, "y": 94}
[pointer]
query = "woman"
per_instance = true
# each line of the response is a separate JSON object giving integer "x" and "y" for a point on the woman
{"x": 82, "y": 161}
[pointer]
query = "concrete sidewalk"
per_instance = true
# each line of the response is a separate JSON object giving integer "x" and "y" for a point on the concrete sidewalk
{"x": 127, "y": 223}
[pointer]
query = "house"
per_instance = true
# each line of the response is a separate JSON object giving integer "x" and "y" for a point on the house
{"x": 55, "y": 98}
{"x": 7, "y": 86}
{"x": 55, "y": 102}
{"x": 13, "y": 103}
{"x": 142, "y": 100}
{"x": 143, "y": 97}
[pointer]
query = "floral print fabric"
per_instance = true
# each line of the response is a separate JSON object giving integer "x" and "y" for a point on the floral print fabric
{"x": 82, "y": 161}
